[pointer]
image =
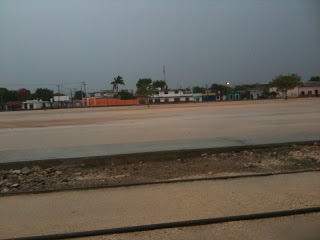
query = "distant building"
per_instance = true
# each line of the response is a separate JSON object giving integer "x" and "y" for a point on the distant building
{"x": 292, "y": 93}
{"x": 197, "y": 97}
{"x": 62, "y": 101}
{"x": 35, "y": 104}
{"x": 172, "y": 96}
{"x": 104, "y": 94}
{"x": 209, "y": 97}
{"x": 310, "y": 89}
{"x": 234, "y": 96}
{"x": 13, "y": 105}
{"x": 61, "y": 98}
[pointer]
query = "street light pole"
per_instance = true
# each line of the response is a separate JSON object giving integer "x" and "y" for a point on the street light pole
{"x": 228, "y": 83}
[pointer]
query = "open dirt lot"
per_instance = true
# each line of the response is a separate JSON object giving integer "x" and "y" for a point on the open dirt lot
{"x": 84, "y": 116}
{"x": 72, "y": 133}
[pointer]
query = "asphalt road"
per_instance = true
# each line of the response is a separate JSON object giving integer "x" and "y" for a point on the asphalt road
{"x": 37, "y": 135}
{"x": 62, "y": 212}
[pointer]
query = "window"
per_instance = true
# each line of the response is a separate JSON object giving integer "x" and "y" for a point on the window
{"x": 302, "y": 93}
{"x": 176, "y": 99}
{"x": 176, "y": 92}
{"x": 156, "y": 93}
{"x": 157, "y": 100}
{"x": 166, "y": 100}
{"x": 166, "y": 92}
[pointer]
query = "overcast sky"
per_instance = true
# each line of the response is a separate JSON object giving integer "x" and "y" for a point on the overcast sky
{"x": 199, "y": 42}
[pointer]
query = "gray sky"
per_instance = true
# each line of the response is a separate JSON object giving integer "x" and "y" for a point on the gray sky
{"x": 199, "y": 42}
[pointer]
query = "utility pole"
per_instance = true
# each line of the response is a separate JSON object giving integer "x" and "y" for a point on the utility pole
{"x": 164, "y": 74}
{"x": 81, "y": 94}
{"x": 207, "y": 92}
{"x": 58, "y": 94}
{"x": 84, "y": 86}
{"x": 71, "y": 97}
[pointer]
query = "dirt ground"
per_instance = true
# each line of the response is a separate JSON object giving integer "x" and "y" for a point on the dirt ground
{"x": 94, "y": 115}
{"x": 264, "y": 160}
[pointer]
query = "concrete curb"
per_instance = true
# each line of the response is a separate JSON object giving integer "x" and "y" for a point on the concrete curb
{"x": 150, "y": 156}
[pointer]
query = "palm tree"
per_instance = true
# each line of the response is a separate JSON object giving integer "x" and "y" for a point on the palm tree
{"x": 116, "y": 82}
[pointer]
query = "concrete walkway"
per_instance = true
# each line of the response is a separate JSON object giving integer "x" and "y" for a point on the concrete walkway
{"x": 62, "y": 212}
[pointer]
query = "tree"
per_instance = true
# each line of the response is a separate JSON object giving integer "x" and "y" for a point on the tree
{"x": 78, "y": 95}
{"x": 23, "y": 94}
{"x": 116, "y": 82}
{"x": 160, "y": 84}
{"x": 125, "y": 95}
{"x": 13, "y": 95}
{"x": 197, "y": 89}
{"x": 44, "y": 94}
{"x": 4, "y": 96}
{"x": 216, "y": 88}
{"x": 146, "y": 91}
{"x": 315, "y": 79}
{"x": 283, "y": 83}
{"x": 144, "y": 82}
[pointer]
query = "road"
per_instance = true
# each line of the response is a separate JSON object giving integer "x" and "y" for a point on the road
{"x": 70, "y": 133}
{"x": 62, "y": 212}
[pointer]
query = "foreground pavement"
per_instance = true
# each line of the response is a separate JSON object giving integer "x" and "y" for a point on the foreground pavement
{"x": 40, "y": 135}
{"x": 63, "y": 212}
{"x": 299, "y": 227}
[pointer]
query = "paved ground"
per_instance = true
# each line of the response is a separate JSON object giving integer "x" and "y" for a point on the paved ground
{"x": 300, "y": 227}
{"x": 106, "y": 208}
{"x": 35, "y": 135}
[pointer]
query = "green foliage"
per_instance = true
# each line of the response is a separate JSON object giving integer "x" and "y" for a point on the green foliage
{"x": 78, "y": 95}
{"x": 283, "y": 83}
{"x": 125, "y": 95}
{"x": 197, "y": 89}
{"x": 23, "y": 94}
{"x": 116, "y": 82}
{"x": 218, "y": 88}
{"x": 160, "y": 84}
{"x": 43, "y": 93}
{"x": 143, "y": 82}
{"x": 315, "y": 79}
{"x": 7, "y": 95}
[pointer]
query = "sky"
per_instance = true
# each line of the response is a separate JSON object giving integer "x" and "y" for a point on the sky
{"x": 59, "y": 42}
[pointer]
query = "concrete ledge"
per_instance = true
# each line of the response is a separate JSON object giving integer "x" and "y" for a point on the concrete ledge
{"x": 145, "y": 156}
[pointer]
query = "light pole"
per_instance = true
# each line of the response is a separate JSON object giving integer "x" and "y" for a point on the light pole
{"x": 228, "y": 83}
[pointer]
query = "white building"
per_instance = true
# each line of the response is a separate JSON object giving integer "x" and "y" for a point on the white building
{"x": 170, "y": 96}
{"x": 104, "y": 94}
{"x": 61, "y": 98}
{"x": 35, "y": 104}
{"x": 292, "y": 93}
{"x": 255, "y": 93}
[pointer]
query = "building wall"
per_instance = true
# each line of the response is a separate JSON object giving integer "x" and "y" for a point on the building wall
{"x": 197, "y": 97}
{"x": 255, "y": 94}
{"x": 91, "y": 102}
{"x": 61, "y": 98}
{"x": 312, "y": 91}
{"x": 291, "y": 93}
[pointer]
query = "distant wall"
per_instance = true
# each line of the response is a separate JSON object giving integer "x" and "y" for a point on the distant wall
{"x": 92, "y": 102}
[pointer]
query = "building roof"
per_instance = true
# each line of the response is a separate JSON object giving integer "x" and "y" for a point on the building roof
{"x": 10, "y": 103}
{"x": 311, "y": 84}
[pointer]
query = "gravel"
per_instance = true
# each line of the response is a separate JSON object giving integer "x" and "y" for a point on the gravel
{"x": 286, "y": 158}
